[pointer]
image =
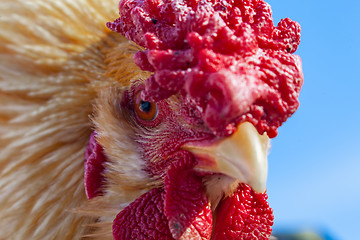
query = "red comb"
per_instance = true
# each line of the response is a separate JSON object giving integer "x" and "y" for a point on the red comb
{"x": 224, "y": 56}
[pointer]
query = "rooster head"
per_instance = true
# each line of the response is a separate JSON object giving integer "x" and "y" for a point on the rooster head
{"x": 180, "y": 143}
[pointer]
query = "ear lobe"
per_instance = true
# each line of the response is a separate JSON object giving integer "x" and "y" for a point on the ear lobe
{"x": 94, "y": 168}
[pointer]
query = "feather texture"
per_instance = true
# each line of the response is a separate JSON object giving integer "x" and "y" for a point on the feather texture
{"x": 55, "y": 58}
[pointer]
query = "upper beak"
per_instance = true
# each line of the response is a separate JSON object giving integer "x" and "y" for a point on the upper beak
{"x": 242, "y": 156}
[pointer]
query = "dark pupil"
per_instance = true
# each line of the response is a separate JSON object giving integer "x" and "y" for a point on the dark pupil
{"x": 145, "y": 106}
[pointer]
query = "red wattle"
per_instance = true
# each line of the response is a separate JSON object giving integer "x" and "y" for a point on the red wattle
{"x": 187, "y": 208}
{"x": 181, "y": 210}
{"x": 143, "y": 219}
{"x": 244, "y": 215}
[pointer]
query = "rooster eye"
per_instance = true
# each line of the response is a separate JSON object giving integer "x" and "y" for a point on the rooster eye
{"x": 146, "y": 111}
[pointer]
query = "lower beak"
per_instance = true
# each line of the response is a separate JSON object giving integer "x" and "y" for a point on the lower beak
{"x": 242, "y": 156}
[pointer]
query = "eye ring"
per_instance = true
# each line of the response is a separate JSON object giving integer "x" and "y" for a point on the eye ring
{"x": 146, "y": 111}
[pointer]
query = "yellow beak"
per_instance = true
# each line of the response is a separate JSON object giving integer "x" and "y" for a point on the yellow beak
{"x": 242, "y": 156}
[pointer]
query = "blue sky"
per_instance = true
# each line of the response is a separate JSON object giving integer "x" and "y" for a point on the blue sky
{"x": 314, "y": 163}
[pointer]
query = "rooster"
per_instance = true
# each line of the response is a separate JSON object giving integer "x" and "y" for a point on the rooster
{"x": 153, "y": 126}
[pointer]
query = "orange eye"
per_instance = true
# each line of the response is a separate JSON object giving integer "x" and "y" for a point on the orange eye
{"x": 146, "y": 111}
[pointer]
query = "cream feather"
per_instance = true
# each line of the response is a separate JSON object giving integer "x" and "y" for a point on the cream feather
{"x": 56, "y": 57}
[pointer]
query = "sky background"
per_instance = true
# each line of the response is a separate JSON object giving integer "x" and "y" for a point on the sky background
{"x": 314, "y": 163}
